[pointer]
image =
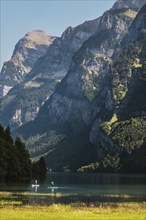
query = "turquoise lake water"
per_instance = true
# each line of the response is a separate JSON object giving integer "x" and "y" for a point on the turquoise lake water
{"x": 84, "y": 184}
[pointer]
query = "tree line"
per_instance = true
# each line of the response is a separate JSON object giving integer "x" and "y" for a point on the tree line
{"x": 15, "y": 160}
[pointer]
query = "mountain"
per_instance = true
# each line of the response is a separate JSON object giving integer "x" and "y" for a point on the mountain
{"x": 85, "y": 98}
{"x": 132, "y": 4}
{"x": 24, "y": 100}
{"x": 92, "y": 113}
{"x": 32, "y": 46}
{"x": 57, "y": 60}
{"x": 125, "y": 132}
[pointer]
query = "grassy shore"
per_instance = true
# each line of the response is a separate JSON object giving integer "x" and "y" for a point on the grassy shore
{"x": 19, "y": 206}
{"x": 132, "y": 211}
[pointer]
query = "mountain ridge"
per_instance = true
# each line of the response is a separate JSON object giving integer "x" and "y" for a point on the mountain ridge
{"x": 48, "y": 70}
{"x": 94, "y": 113}
{"x": 28, "y": 49}
{"x": 84, "y": 100}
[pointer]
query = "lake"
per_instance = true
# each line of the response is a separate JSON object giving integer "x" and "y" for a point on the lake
{"x": 85, "y": 184}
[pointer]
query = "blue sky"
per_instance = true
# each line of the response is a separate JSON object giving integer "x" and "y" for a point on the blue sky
{"x": 53, "y": 16}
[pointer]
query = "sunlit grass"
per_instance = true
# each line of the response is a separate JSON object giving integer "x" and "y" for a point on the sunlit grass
{"x": 16, "y": 206}
{"x": 137, "y": 65}
{"x": 33, "y": 84}
{"x": 129, "y": 13}
{"x": 113, "y": 119}
{"x": 132, "y": 211}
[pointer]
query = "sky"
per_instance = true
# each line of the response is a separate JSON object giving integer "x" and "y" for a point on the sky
{"x": 17, "y": 17}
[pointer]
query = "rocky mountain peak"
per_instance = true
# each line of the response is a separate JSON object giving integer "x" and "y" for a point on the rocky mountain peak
{"x": 114, "y": 19}
{"x": 66, "y": 33}
{"x": 37, "y": 36}
{"x": 56, "y": 62}
{"x": 132, "y": 4}
{"x": 27, "y": 46}
{"x": 138, "y": 27}
{"x": 85, "y": 84}
{"x": 47, "y": 71}
{"x": 99, "y": 92}
{"x": 28, "y": 49}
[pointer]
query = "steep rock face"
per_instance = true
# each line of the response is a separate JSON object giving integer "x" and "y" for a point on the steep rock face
{"x": 57, "y": 60}
{"x": 27, "y": 97}
{"x": 137, "y": 28}
{"x": 132, "y": 4}
{"x": 23, "y": 102}
{"x": 84, "y": 93}
{"x": 131, "y": 59}
{"x": 32, "y": 46}
{"x": 95, "y": 99}
{"x": 127, "y": 127}
{"x": 88, "y": 77}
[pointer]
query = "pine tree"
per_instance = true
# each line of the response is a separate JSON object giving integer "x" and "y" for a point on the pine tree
{"x": 2, "y": 132}
{"x": 39, "y": 168}
{"x": 8, "y": 136}
{"x": 42, "y": 166}
{"x": 23, "y": 156}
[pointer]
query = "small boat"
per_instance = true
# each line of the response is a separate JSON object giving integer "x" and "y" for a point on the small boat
{"x": 36, "y": 184}
{"x": 33, "y": 185}
{"x": 53, "y": 187}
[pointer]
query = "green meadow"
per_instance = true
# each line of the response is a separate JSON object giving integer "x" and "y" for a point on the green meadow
{"x": 31, "y": 206}
{"x": 132, "y": 211}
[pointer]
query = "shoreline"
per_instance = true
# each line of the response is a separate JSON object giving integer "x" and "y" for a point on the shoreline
{"x": 38, "y": 199}
{"x": 39, "y": 206}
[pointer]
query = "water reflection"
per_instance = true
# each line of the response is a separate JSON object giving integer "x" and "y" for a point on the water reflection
{"x": 83, "y": 184}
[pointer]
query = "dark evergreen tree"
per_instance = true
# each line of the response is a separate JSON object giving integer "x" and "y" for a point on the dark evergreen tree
{"x": 23, "y": 156}
{"x": 13, "y": 168}
{"x": 35, "y": 171}
{"x": 42, "y": 166}
{"x": 2, "y": 132}
{"x": 3, "y": 159}
{"x": 14, "y": 157}
{"x": 8, "y": 136}
{"x": 39, "y": 169}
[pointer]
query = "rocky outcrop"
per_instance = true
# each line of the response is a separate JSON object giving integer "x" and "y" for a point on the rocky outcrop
{"x": 137, "y": 28}
{"x": 87, "y": 80}
{"x": 84, "y": 98}
{"x": 132, "y": 4}
{"x": 32, "y": 46}
{"x": 47, "y": 71}
{"x": 58, "y": 58}
{"x": 90, "y": 112}
{"x": 125, "y": 130}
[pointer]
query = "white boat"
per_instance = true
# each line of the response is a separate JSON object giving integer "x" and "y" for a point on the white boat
{"x": 34, "y": 185}
{"x": 53, "y": 187}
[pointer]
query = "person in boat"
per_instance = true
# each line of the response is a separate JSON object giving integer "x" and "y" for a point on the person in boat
{"x": 52, "y": 184}
{"x": 35, "y": 186}
{"x": 52, "y": 187}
